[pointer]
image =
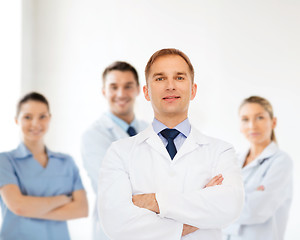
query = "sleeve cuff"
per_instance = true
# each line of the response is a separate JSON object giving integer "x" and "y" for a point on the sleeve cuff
{"x": 162, "y": 201}
{"x": 233, "y": 229}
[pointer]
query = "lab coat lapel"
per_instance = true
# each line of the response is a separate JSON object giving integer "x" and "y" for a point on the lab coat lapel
{"x": 153, "y": 140}
{"x": 119, "y": 132}
{"x": 268, "y": 152}
{"x": 192, "y": 142}
{"x": 114, "y": 128}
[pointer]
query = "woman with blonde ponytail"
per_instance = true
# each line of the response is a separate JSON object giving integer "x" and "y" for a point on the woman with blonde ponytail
{"x": 267, "y": 175}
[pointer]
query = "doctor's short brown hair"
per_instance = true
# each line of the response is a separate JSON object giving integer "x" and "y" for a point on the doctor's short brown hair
{"x": 165, "y": 52}
{"x": 120, "y": 66}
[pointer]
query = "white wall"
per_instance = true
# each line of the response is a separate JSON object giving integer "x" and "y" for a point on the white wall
{"x": 238, "y": 48}
{"x": 10, "y": 70}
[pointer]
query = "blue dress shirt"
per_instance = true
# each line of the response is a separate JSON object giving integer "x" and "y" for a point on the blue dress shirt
{"x": 59, "y": 177}
{"x": 184, "y": 128}
{"x": 121, "y": 123}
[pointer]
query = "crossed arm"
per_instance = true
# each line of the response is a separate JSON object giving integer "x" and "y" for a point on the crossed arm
{"x": 148, "y": 201}
{"x": 58, "y": 208}
{"x": 272, "y": 193}
{"x": 209, "y": 208}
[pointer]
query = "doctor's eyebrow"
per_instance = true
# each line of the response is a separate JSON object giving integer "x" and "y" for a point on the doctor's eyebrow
{"x": 158, "y": 74}
{"x": 256, "y": 114}
{"x": 182, "y": 73}
{"x": 162, "y": 74}
{"x": 260, "y": 113}
{"x": 130, "y": 83}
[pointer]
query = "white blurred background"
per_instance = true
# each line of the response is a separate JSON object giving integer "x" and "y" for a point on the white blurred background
{"x": 238, "y": 48}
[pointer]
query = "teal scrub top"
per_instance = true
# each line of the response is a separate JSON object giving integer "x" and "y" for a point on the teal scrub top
{"x": 60, "y": 176}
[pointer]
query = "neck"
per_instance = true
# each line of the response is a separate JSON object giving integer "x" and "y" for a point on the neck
{"x": 127, "y": 118}
{"x": 170, "y": 121}
{"x": 255, "y": 151}
{"x": 37, "y": 147}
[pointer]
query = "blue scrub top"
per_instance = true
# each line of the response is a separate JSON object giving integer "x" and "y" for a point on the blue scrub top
{"x": 60, "y": 176}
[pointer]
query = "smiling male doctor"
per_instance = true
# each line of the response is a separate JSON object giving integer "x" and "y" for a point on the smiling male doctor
{"x": 120, "y": 87}
{"x": 154, "y": 185}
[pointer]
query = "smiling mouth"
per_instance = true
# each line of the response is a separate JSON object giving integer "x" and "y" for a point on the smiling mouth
{"x": 35, "y": 132}
{"x": 254, "y": 134}
{"x": 122, "y": 102}
{"x": 172, "y": 97}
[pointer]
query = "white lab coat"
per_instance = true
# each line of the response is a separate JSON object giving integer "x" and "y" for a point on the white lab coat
{"x": 141, "y": 164}
{"x": 94, "y": 144}
{"x": 97, "y": 139}
{"x": 265, "y": 213}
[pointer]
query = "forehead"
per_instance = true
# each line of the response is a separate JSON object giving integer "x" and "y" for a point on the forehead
{"x": 119, "y": 77}
{"x": 33, "y": 106}
{"x": 252, "y": 109}
{"x": 169, "y": 63}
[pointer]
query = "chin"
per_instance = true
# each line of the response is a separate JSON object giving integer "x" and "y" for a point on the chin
{"x": 257, "y": 141}
{"x": 174, "y": 111}
{"x": 35, "y": 138}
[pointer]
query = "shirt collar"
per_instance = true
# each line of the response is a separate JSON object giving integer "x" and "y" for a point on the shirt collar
{"x": 52, "y": 154}
{"x": 121, "y": 123}
{"x": 268, "y": 152}
{"x": 195, "y": 135}
{"x": 184, "y": 127}
{"x": 22, "y": 151}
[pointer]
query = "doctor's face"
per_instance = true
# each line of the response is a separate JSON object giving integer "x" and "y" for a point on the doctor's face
{"x": 170, "y": 87}
{"x": 256, "y": 124}
{"x": 33, "y": 119}
{"x": 120, "y": 90}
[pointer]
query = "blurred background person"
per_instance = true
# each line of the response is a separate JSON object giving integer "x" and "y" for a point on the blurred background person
{"x": 120, "y": 87}
{"x": 39, "y": 189}
{"x": 267, "y": 175}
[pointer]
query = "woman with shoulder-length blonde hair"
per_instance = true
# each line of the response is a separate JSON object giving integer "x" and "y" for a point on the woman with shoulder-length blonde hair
{"x": 267, "y": 175}
{"x": 39, "y": 189}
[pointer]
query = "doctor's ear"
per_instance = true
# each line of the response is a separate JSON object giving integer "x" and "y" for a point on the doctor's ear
{"x": 146, "y": 92}
{"x": 103, "y": 91}
{"x": 274, "y": 122}
{"x": 138, "y": 90}
{"x": 194, "y": 91}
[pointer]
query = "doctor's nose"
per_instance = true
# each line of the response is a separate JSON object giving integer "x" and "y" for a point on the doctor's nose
{"x": 170, "y": 84}
{"x": 120, "y": 92}
{"x": 252, "y": 124}
{"x": 35, "y": 122}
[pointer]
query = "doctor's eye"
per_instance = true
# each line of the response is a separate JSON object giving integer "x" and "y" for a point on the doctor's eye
{"x": 27, "y": 117}
{"x": 180, "y": 78}
{"x": 43, "y": 116}
{"x": 260, "y": 117}
{"x": 112, "y": 87}
{"x": 159, "y": 79}
{"x": 244, "y": 119}
{"x": 128, "y": 87}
